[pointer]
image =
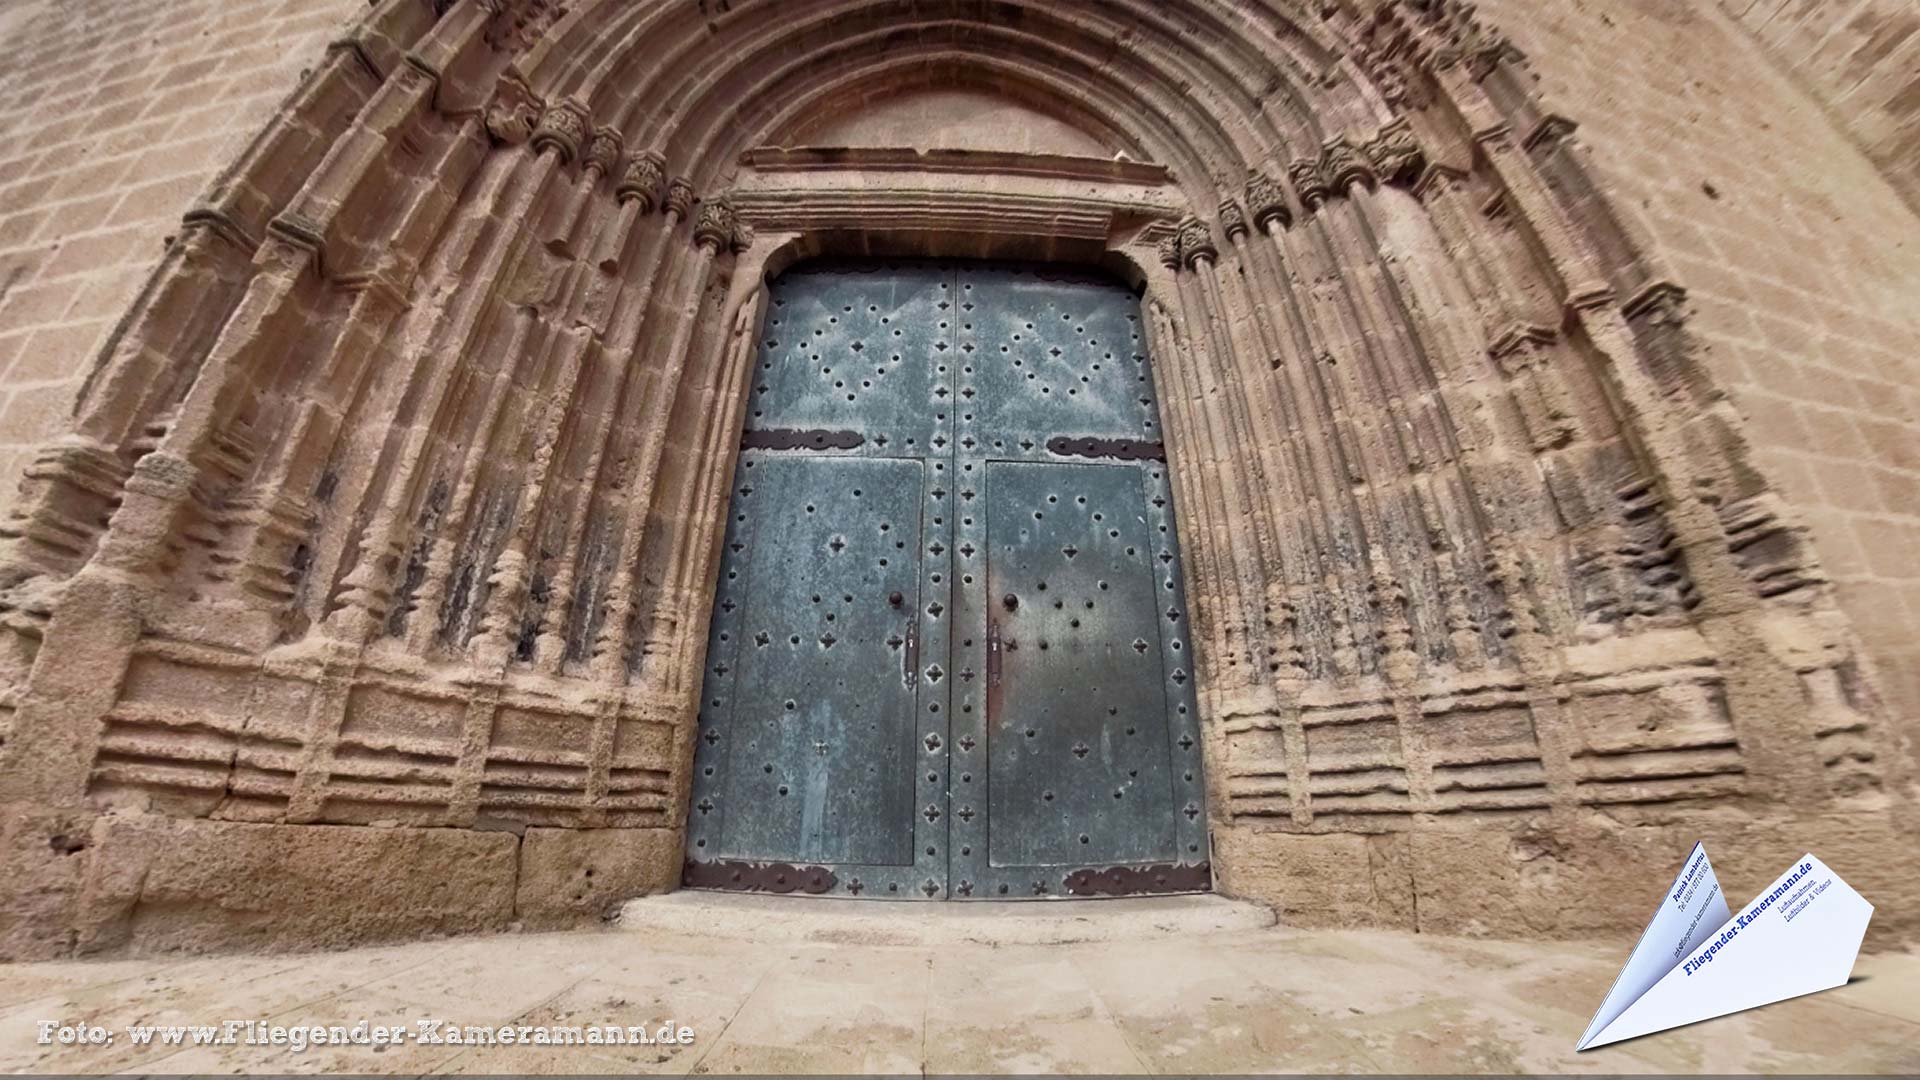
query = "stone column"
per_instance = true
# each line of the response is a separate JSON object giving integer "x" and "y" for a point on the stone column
{"x": 636, "y": 195}
{"x": 364, "y": 604}
{"x": 712, "y": 234}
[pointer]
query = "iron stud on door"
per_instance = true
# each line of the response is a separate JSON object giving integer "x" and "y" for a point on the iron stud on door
{"x": 1007, "y": 558}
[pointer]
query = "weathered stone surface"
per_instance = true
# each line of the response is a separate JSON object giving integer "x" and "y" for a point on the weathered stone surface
{"x": 112, "y": 127}
{"x": 1542, "y": 882}
{"x": 1591, "y": 878}
{"x": 991, "y": 989}
{"x": 43, "y": 861}
{"x": 1860, "y": 67}
{"x": 163, "y": 885}
{"x": 1319, "y": 880}
{"x": 569, "y": 875}
{"x": 386, "y": 511}
{"x": 1806, "y": 322}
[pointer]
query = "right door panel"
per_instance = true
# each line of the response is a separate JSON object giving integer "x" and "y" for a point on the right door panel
{"x": 1080, "y": 767}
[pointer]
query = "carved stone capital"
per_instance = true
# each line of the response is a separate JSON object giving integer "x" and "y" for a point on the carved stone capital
{"x": 1520, "y": 338}
{"x": 1396, "y": 157}
{"x": 1551, "y": 130}
{"x": 1437, "y": 178}
{"x": 1662, "y": 300}
{"x": 642, "y": 180}
{"x": 162, "y": 474}
{"x": 1267, "y": 200}
{"x": 1169, "y": 251}
{"x": 679, "y": 196}
{"x": 1342, "y": 166}
{"x": 1393, "y": 84}
{"x": 563, "y": 127}
{"x": 513, "y": 112}
{"x": 714, "y": 227}
{"x": 1404, "y": 40}
{"x": 513, "y": 25}
{"x": 1233, "y": 220}
{"x": 1308, "y": 184}
{"x": 604, "y": 148}
{"x": 1196, "y": 242}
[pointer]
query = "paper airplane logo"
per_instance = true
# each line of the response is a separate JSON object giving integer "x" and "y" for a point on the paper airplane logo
{"x": 1698, "y": 960}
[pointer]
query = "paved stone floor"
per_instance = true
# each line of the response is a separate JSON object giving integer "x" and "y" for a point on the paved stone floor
{"x": 1220, "y": 995}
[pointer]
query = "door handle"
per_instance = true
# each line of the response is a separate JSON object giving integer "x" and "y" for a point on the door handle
{"x": 993, "y": 654}
{"x": 910, "y": 657}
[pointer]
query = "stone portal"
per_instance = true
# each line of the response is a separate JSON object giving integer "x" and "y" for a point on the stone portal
{"x": 368, "y": 591}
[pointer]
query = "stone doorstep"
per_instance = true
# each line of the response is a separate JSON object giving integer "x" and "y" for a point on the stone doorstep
{"x": 813, "y": 919}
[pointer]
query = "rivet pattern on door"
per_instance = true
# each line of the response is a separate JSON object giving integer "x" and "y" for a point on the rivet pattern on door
{"x": 948, "y": 655}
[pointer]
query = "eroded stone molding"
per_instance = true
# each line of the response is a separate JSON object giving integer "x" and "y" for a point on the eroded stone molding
{"x": 396, "y": 499}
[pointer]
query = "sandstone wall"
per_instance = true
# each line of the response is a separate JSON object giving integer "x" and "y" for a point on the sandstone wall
{"x": 149, "y": 883}
{"x": 1790, "y": 241}
{"x": 1802, "y": 261}
{"x": 113, "y": 116}
{"x": 385, "y": 534}
{"x": 1861, "y": 59}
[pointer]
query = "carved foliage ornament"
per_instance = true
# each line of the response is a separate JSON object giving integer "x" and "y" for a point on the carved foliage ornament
{"x": 1342, "y": 166}
{"x": 714, "y": 226}
{"x": 1392, "y": 155}
{"x": 513, "y": 112}
{"x": 603, "y": 150}
{"x": 679, "y": 196}
{"x": 1307, "y": 182}
{"x": 1432, "y": 35}
{"x": 642, "y": 180}
{"x": 1169, "y": 251}
{"x": 1196, "y": 242}
{"x": 1233, "y": 220}
{"x": 562, "y": 128}
{"x": 1267, "y": 200}
{"x": 1395, "y": 155}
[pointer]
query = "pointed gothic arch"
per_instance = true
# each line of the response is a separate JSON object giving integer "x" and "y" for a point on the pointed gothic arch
{"x": 395, "y": 498}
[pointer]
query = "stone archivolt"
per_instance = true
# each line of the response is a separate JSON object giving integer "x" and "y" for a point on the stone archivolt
{"x": 396, "y": 498}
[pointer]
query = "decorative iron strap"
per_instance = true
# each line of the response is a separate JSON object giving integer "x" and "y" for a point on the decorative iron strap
{"x": 1118, "y": 449}
{"x": 1132, "y": 880}
{"x": 791, "y": 439}
{"x": 758, "y": 877}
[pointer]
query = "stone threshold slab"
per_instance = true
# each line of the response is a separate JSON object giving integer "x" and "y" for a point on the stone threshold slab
{"x": 801, "y": 919}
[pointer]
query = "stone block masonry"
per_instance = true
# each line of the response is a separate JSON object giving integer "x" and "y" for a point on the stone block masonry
{"x": 1801, "y": 263}
{"x": 1536, "y": 385}
{"x": 157, "y": 884}
{"x": 113, "y": 118}
{"x": 1860, "y": 59}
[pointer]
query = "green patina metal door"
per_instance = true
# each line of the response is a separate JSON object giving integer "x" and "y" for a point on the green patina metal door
{"x": 948, "y": 656}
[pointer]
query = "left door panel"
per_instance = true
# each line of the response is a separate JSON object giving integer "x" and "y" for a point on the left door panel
{"x": 805, "y": 774}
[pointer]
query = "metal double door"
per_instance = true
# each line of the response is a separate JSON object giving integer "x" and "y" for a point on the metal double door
{"x": 948, "y": 655}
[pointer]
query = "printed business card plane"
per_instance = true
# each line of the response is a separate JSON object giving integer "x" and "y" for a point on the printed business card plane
{"x": 1698, "y": 960}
